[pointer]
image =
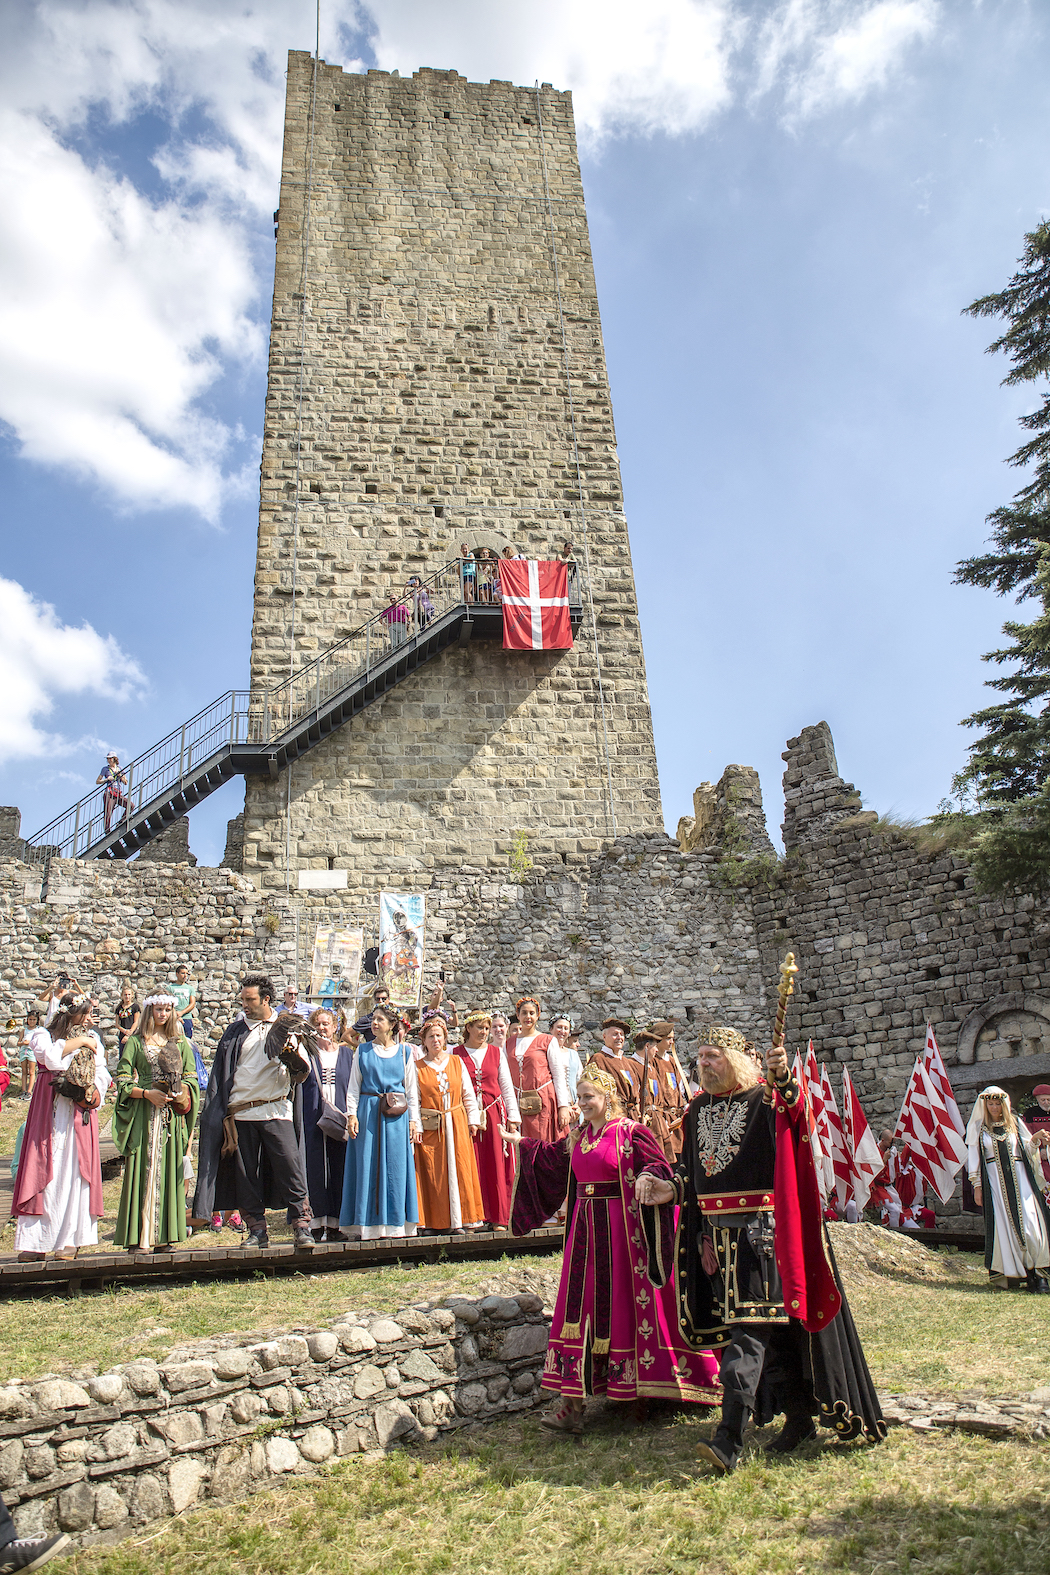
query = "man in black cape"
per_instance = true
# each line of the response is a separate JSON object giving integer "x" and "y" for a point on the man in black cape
{"x": 754, "y": 1270}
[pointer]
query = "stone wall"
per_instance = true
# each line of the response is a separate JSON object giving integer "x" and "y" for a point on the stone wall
{"x": 435, "y": 412}
{"x": 99, "y": 1454}
{"x": 172, "y": 846}
{"x": 888, "y": 934}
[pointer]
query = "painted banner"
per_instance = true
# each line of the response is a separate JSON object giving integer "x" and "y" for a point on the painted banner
{"x": 336, "y": 967}
{"x": 402, "y": 922}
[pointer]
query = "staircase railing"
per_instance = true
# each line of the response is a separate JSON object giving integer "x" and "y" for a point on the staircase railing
{"x": 255, "y": 719}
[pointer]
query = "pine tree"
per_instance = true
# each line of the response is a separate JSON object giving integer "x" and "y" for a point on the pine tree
{"x": 1008, "y": 772}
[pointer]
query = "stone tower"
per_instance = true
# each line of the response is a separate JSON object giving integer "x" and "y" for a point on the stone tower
{"x": 418, "y": 390}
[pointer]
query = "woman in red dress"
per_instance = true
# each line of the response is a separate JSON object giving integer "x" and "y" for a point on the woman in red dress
{"x": 487, "y": 1068}
{"x": 538, "y": 1078}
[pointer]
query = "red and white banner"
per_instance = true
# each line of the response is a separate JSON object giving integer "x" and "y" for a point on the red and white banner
{"x": 535, "y": 605}
{"x": 837, "y": 1142}
{"x": 930, "y": 1125}
{"x": 823, "y": 1156}
{"x": 862, "y": 1151}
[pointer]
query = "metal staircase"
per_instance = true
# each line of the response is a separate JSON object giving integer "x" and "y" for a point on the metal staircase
{"x": 257, "y": 732}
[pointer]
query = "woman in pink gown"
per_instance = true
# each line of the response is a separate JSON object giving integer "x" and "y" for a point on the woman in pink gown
{"x": 614, "y": 1331}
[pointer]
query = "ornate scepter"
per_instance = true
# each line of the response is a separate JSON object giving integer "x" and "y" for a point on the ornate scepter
{"x": 785, "y": 988}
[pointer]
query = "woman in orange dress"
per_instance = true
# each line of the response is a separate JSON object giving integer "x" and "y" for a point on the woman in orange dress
{"x": 447, "y": 1184}
{"x": 537, "y": 1071}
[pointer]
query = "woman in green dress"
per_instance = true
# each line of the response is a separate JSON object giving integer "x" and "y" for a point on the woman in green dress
{"x": 152, "y": 1128}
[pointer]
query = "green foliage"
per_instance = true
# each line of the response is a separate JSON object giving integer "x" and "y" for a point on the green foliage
{"x": 520, "y": 863}
{"x": 1012, "y": 853}
{"x": 733, "y": 872}
{"x": 1020, "y": 529}
{"x": 1008, "y": 771}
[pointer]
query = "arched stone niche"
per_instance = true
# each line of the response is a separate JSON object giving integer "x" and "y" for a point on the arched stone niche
{"x": 1008, "y": 1027}
{"x": 1004, "y": 1041}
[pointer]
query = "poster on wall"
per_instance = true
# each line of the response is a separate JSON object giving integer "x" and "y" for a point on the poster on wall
{"x": 402, "y": 919}
{"x": 336, "y": 967}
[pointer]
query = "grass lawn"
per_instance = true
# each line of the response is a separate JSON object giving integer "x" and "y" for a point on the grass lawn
{"x": 929, "y": 1320}
{"x": 509, "y": 1497}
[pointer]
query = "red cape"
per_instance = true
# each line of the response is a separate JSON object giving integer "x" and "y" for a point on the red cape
{"x": 810, "y": 1292}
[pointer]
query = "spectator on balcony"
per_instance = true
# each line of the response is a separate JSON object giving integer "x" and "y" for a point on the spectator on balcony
{"x": 396, "y": 617}
{"x": 468, "y": 569}
{"x": 115, "y": 785}
{"x": 423, "y": 607}
{"x": 488, "y": 578}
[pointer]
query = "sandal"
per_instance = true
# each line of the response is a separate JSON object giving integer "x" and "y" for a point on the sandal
{"x": 568, "y": 1419}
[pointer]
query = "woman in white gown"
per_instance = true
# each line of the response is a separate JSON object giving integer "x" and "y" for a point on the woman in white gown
{"x": 58, "y": 1189}
{"x": 1003, "y": 1164}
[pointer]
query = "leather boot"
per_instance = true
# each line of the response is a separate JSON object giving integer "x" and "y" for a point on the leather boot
{"x": 726, "y": 1447}
{"x": 1035, "y": 1283}
{"x": 798, "y": 1429}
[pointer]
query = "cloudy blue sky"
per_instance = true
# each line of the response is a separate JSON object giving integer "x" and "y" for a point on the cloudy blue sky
{"x": 790, "y": 202}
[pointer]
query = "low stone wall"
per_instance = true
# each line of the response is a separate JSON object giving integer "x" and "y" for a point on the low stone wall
{"x": 98, "y": 1455}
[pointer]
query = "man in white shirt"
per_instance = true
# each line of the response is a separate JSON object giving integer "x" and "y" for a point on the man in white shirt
{"x": 265, "y": 1168}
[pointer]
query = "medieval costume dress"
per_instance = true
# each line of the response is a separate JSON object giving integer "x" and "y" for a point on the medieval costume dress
{"x": 754, "y": 1269}
{"x": 379, "y": 1182}
{"x": 662, "y": 1101}
{"x": 488, "y": 1071}
{"x": 325, "y": 1155}
{"x": 539, "y": 1083}
{"x": 1037, "y": 1120}
{"x": 58, "y": 1190}
{"x": 1005, "y": 1165}
{"x": 154, "y": 1141}
{"x": 626, "y": 1072}
{"x": 613, "y": 1332}
{"x": 447, "y": 1183}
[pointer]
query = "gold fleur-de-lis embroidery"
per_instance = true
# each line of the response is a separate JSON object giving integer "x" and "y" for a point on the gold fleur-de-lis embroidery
{"x": 643, "y": 1298}
{"x": 647, "y": 1359}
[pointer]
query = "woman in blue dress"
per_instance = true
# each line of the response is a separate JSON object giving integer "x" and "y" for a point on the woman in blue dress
{"x": 379, "y": 1182}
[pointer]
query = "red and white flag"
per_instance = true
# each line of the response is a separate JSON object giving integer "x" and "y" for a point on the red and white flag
{"x": 837, "y": 1142}
{"x": 535, "y": 605}
{"x": 862, "y": 1151}
{"x": 930, "y": 1125}
{"x": 799, "y": 1073}
{"x": 823, "y": 1157}
{"x": 939, "y": 1078}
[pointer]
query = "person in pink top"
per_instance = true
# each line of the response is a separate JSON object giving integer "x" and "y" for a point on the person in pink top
{"x": 614, "y": 1331}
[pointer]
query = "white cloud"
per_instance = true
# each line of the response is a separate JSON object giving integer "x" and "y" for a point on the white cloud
{"x": 822, "y": 54}
{"x": 41, "y": 658}
{"x": 121, "y": 308}
{"x": 662, "y": 67}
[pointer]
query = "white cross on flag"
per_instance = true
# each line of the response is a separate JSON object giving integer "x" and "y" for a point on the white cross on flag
{"x": 862, "y": 1151}
{"x": 930, "y": 1124}
{"x": 535, "y": 605}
